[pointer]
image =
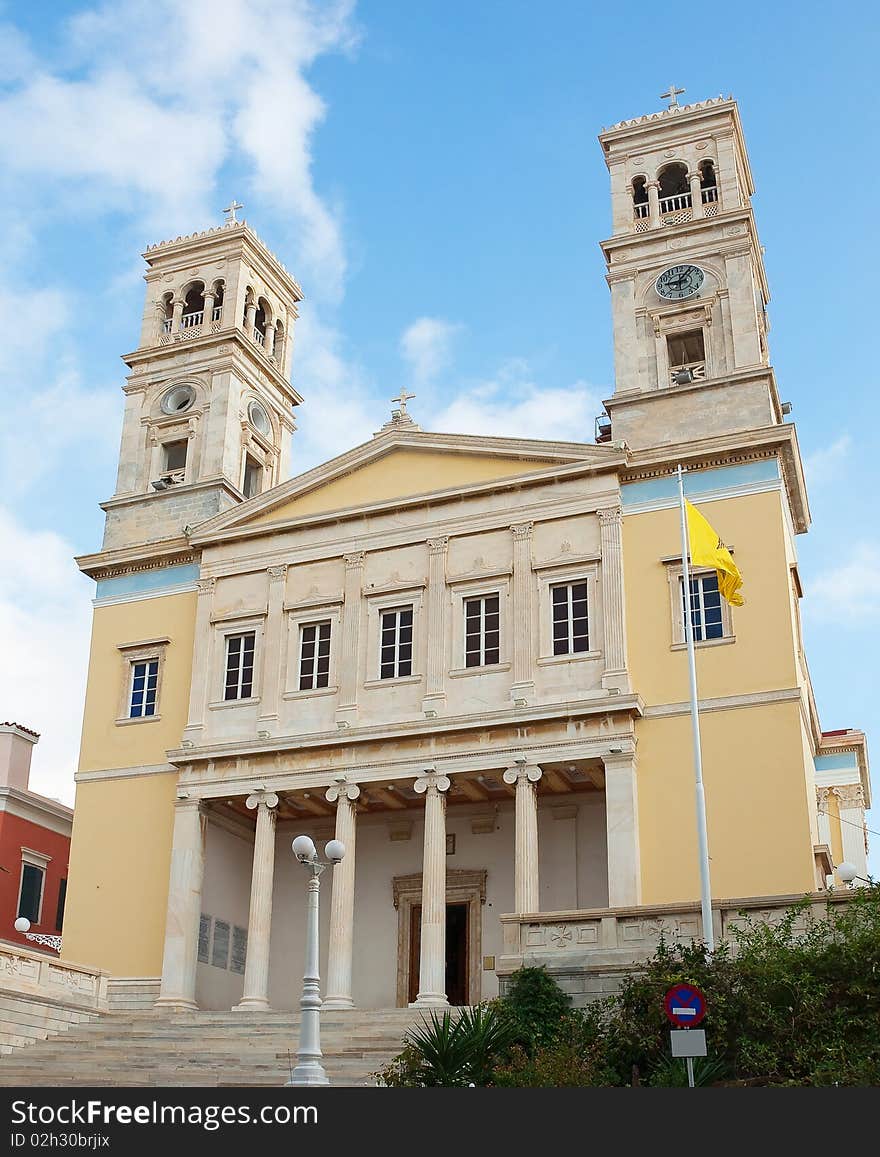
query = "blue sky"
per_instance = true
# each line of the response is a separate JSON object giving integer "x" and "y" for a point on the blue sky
{"x": 430, "y": 173}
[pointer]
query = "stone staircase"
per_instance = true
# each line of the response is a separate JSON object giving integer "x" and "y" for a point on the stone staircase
{"x": 207, "y": 1049}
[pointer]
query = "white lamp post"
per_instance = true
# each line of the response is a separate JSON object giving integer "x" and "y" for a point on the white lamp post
{"x": 309, "y": 1070}
{"x": 847, "y": 873}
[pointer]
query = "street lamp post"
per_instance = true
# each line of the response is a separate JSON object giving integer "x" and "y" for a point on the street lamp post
{"x": 309, "y": 1070}
{"x": 847, "y": 873}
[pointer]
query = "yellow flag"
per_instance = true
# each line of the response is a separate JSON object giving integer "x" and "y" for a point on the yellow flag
{"x": 707, "y": 549}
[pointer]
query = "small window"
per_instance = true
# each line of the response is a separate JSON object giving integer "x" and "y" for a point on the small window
{"x": 30, "y": 898}
{"x": 59, "y": 911}
{"x": 396, "y": 643}
{"x": 240, "y": 666}
{"x": 482, "y": 631}
{"x": 314, "y": 656}
{"x": 253, "y": 477}
{"x": 570, "y": 618}
{"x": 706, "y": 612}
{"x": 260, "y": 419}
{"x": 686, "y": 349}
{"x": 144, "y": 679}
{"x": 178, "y": 399}
{"x": 175, "y": 455}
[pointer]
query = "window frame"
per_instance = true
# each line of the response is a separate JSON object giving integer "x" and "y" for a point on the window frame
{"x": 39, "y": 861}
{"x": 143, "y": 651}
{"x": 317, "y": 624}
{"x": 569, "y": 585}
{"x": 299, "y": 615}
{"x": 242, "y": 635}
{"x": 378, "y": 602}
{"x": 147, "y": 663}
{"x": 397, "y": 609}
{"x": 224, "y": 627}
{"x": 462, "y": 591}
{"x": 480, "y": 597}
{"x": 585, "y": 568}
{"x": 675, "y": 578}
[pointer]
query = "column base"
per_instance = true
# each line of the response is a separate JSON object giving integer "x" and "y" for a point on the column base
{"x": 617, "y": 682}
{"x": 521, "y": 694}
{"x": 252, "y": 1004}
{"x": 430, "y": 1000}
{"x": 336, "y": 1002}
{"x": 309, "y": 1074}
{"x": 175, "y": 1004}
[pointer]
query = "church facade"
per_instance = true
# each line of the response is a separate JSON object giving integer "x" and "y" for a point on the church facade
{"x": 462, "y": 656}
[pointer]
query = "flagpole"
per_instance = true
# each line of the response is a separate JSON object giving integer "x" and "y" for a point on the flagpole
{"x": 702, "y": 832}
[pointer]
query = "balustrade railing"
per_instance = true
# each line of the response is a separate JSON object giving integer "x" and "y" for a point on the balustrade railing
{"x": 259, "y": 336}
{"x": 641, "y": 209}
{"x": 191, "y": 320}
{"x": 218, "y": 313}
{"x": 675, "y": 204}
{"x": 710, "y": 194}
{"x": 166, "y": 325}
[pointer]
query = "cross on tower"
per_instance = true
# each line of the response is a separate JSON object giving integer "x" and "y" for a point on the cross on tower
{"x": 230, "y": 211}
{"x": 403, "y": 397}
{"x": 671, "y": 95}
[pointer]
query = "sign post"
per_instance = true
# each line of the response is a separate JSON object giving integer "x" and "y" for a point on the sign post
{"x": 685, "y": 1007}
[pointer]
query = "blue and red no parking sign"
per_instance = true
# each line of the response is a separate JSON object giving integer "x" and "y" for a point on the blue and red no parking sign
{"x": 685, "y": 1005}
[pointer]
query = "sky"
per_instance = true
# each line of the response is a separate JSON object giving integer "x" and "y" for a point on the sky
{"x": 430, "y": 173}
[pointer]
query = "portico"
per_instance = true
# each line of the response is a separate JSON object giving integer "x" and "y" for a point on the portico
{"x": 422, "y": 850}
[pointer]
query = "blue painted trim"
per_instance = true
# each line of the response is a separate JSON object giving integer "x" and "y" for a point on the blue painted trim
{"x": 846, "y": 759}
{"x": 146, "y": 581}
{"x": 699, "y": 482}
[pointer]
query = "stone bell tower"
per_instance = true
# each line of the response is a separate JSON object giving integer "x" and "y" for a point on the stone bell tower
{"x": 208, "y": 404}
{"x": 688, "y": 289}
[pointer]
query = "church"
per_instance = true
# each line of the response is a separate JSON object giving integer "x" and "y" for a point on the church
{"x": 462, "y": 656}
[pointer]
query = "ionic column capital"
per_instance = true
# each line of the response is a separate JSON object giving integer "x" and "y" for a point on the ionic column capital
{"x": 610, "y": 516}
{"x": 340, "y": 791}
{"x": 522, "y": 531}
{"x": 438, "y": 545}
{"x": 431, "y": 781}
{"x": 276, "y": 572}
{"x": 206, "y": 586}
{"x": 850, "y": 796}
{"x": 261, "y": 796}
{"x": 522, "y": 772}
{"x": 354, "y": 560}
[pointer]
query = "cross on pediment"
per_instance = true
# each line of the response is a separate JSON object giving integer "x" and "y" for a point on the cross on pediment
{"x": 231, "y": 209}
{"x": 672, "y": 95}
{"x": 403, "y": 397}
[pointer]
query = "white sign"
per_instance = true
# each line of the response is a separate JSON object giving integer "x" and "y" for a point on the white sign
{"x": 688, "y": 1042}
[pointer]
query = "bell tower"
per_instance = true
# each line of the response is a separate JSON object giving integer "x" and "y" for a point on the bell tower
{"x": 688, "y": 289}
{"x": 208, "y": 403}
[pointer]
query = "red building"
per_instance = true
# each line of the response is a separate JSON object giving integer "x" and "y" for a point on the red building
{"x": 34, "y": 845}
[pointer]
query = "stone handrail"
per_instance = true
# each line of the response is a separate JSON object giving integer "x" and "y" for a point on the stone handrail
{"x": 597, "y": 939}
{"x": 39, "y": 975}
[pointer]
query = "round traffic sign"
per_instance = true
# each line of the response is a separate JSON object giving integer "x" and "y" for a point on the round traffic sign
{"x": 685, "y": 1005}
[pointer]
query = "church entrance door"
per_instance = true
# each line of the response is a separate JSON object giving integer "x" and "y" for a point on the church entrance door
{"x": 456, "y": 952}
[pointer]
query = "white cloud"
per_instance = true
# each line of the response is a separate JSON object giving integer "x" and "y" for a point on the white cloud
{"x": 825, "y": 464}
{"x": 848, "y": 592}
{"x": 45, "y": 617}
{"x": 513, "y": 405}
{"x": 426, "y": 346}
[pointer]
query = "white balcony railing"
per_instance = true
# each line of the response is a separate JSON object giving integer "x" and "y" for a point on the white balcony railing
{"x": 259, "y": 336}
{"x": 166, "y": 325}
{"x": 675, "y": 204}
{"x": 218, "y": 313}
{"x": 191, "y": 320}
{"x": 641, "y": 210}
{"x": 710, "y": 194}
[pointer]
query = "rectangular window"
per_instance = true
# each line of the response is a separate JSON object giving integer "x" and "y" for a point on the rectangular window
{"x": 396, "y": 643}
{"x": 240, "y": 666}
{"x": 31, "y": 896}
{"x": 571, "y": 632}
{"x": 314, "y": 656}
{"x": 175, "y": 455}
{"x": 220, "y": 944}
{"x": 144, "y": 678}
{"x": 59, "y": 911}
{"x": 482, "y": 631}
{"x": 204, "y": 955}
{"x": 706, "y": 614}
{"x": 686, "y": 349}
{"x": 253, "y": 477}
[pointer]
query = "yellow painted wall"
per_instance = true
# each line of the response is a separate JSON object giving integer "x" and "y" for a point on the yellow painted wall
{"x": 758, "y": 819}
{"x": 399, "y": 474}
{"x": 106, "y": 743}
{"x": 117, "y": 889}
{"x": 763, "y": 656}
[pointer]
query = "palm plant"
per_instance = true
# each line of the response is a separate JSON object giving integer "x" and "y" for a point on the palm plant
{"x": 459, "y": 1051}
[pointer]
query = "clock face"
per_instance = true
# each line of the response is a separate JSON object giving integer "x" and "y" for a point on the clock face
{"x": 680, "y": 281}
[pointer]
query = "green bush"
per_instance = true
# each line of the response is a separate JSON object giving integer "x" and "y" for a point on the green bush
{"x": 535, "y": 1007}
{"x": 450, "y": 1050}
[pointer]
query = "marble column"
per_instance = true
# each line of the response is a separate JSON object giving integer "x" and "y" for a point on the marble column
{"x": 208, "y": 313}
{"x": 340, "y": 950}
{"x": 432, "y": 958}
{"x": 178, "y": 988}
{"x": 653, "y": 188}
{"x": 527, "y": 897}
{"x": 696, "y": 195}
{"x": 616, "y": 675}
{"x": 256, "y": 970}
{"x": 250, "y": 314}
{"x": 269, "y": 343}
{"x": 523, "y": 686}
{"x": 350, "y": 627}
{"x": 435, "y": 688}
{"x": 622, "y": 830}
{"x": 176, "y": 315}
{"x": 272, "y": 640}
{"x": 198, "y": 691}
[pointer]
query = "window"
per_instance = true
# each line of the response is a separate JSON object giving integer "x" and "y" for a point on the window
{"x": 175, "y": 455}
{"x": 253, "y": 477}
{"x": 30, "y": 897}
{"x": 482, "y": 631}
{"x": 396, "y": 643}
{"x": 144, "y": 681}
{"x": 706, "y": 614}
{"x": 240, "y": 666}
{"x": 570, "y": 619}
{"x": 686, "y": 349}
{"x": 314, "y": 656}
{"x": 59, "y": 911}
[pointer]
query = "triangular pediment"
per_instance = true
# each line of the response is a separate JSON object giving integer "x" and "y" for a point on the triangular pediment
{"x": 403, "y": 465}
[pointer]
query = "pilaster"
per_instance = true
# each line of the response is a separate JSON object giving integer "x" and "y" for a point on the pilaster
{"x": 622, "y": 829}
{"x": 272, "y": 646}
{"x": 523, "y": 688}
{"x": 349, "y": 655}
{"x": 616, "y": 676}
{"x": 435, "y": 692}
{"x": 199, "y": 689}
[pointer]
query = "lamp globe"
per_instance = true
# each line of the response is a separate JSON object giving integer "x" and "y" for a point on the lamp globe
{"x": 304, "y": 848}
{"x": 334, "y": 850}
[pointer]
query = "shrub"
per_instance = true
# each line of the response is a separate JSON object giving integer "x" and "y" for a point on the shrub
{"x": 450, "y": 1051}
{"x": 535, "y": 1007}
